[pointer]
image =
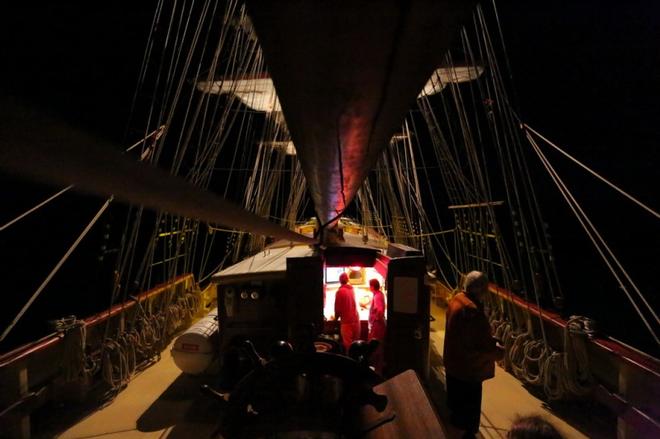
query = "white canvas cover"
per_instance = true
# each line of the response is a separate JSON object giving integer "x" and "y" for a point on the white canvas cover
{"x": 271, "y": 261}
{"x": 259, "y": 93}
{"x": 445, "y": 75}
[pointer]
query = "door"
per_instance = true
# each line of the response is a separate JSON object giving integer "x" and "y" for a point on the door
{"x": 407, "y": 337}
{"x": 304, "y": 297}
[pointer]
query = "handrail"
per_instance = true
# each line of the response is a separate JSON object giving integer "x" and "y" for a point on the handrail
{"x": 158, "y": 289}
{"x": 628, "y": 354}
{"x": 24, "y": 351}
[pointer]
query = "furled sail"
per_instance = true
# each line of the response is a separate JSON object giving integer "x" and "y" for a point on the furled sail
{"x": 346, "y": 73}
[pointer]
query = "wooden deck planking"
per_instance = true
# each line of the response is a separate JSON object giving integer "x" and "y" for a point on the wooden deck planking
{"x": 159, "y": 402}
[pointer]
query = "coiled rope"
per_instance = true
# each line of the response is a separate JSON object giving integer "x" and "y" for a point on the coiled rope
{"x": 534, "y": 362}
{"x": 149, "y": 334}
{"x": 75, "y": 362}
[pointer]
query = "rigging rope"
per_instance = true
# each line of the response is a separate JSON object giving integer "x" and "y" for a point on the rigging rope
{"x": 43, "y": 203}
{"x": 599, "y": 243}
{"x": 74, "y": 360}
{"x": 55, "y": 269}
{"x": 594, "y": 173}
{"x": 467, "y": 182}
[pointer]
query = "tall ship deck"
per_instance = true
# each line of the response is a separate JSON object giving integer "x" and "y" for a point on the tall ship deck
{"x": 277, "y": 156}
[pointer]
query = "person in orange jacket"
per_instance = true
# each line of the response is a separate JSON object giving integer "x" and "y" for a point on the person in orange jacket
{"x": 470, "y": 353}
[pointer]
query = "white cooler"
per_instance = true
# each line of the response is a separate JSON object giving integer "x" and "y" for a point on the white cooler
{"x": 195, "y": 350}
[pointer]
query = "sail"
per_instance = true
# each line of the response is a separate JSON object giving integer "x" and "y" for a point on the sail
{"x": 346, "y": 73}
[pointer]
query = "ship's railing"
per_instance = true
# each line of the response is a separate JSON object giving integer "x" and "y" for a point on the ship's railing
{"x": 35, "y": 373}
{"x": 627, "y": 380}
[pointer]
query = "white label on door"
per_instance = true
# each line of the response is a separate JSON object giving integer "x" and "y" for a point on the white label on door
{"x": 405, "y": 295}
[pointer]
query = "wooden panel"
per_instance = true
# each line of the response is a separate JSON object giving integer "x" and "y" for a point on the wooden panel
{"x": 414, "y": 416}
{"x": 407, "y": 336}
{"x": 304, "y": 293}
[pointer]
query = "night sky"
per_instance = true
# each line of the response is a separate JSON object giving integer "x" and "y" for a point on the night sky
{"x": 586, "y": 75}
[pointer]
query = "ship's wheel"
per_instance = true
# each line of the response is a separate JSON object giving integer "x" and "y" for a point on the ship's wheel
{"x": 311, "y": 395}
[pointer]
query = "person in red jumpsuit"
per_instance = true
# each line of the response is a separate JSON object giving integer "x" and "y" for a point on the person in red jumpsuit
{"x": 377, "y": 324}
{"x": 346, "y": 312}
{"x": 470, "y": 353}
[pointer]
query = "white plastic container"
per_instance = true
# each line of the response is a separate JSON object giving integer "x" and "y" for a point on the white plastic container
{"x": 195, "y": 350}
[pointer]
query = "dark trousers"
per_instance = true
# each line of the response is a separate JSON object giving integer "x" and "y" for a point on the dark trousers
{"x": 464, "y": 401}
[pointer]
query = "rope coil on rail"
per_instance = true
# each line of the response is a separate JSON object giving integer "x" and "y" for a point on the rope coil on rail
{"x": 148, "y": 334}
{"x": 534, "y": 362}
{"x": 75, "y": 362}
